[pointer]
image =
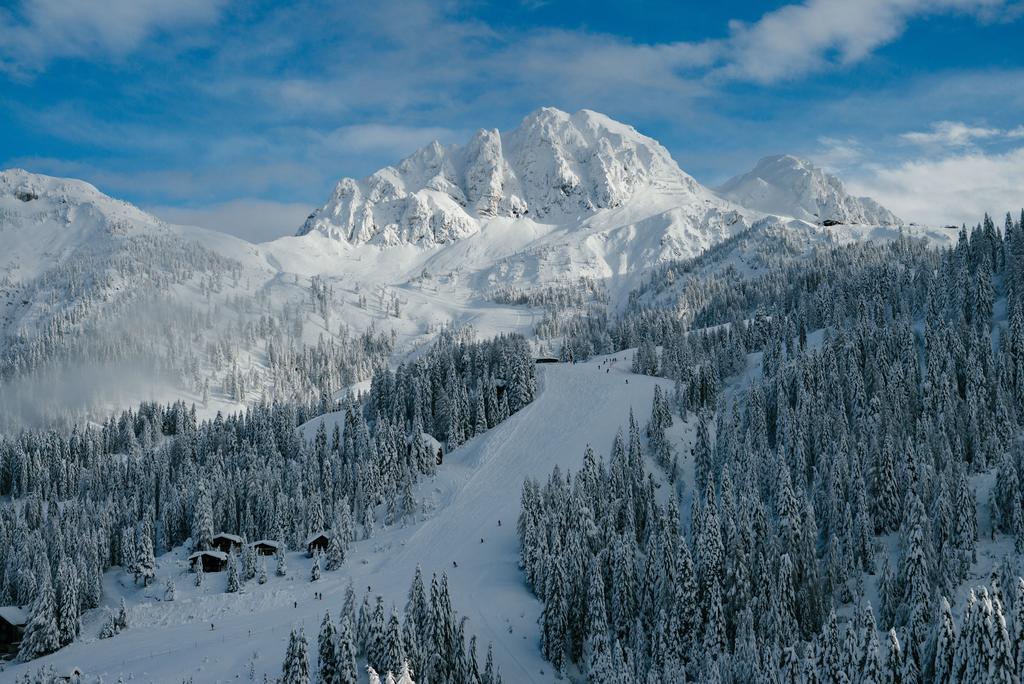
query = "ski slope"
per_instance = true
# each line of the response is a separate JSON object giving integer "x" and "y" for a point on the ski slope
{"x": 212, "y": 636}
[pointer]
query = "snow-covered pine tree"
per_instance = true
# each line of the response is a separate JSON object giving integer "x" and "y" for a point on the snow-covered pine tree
{"x": 68, "y": 604}
{"x": 145, "y": 560}
{"x": 327, "y": 652}
{"x": 234, "y": 580}
{"x": 282, "y": 563}
{"x": 376, "y": 639}
{"x": 345, "y": 653}
{"x": 393, "y": 651}
{"x": 42, "y": 633}
{"x": 314, "y": 572}
{"x": 295, "y": 669}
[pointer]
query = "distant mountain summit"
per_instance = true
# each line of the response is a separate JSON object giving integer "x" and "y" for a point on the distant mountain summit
{"x": 46, "y": 221}
{"x": 555, "y": 167}
{"x": 35, "y": 198}
{"x": 790, "y": 186}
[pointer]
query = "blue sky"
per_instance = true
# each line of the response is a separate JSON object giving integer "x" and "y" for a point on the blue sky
{"x": 242, "y": 116}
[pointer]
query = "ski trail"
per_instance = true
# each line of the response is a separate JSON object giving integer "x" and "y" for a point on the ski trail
{"x": 576, "y": 405}
{"x": 477, "y": 485}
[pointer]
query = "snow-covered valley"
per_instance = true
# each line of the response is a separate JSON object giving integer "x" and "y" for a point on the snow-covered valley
{"x": 413, "y": 379}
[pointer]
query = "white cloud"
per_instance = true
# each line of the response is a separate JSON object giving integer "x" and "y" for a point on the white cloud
{"x": 798, "y": 39}
{"x": 42, "y": 30}
{"x": 956, "y": 134}
{"x": 254, "y": 220}
{"x": 837, "y": 153}
{"x": 953, "y": 189}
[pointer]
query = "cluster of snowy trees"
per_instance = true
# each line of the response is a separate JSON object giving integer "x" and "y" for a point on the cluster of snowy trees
{"x": 628, "y": 596}
{"x": 583, "y": 333}
{"x": 887, "y": 387}
{"x": 459, "y": 389}
{"x": 559, "y": 296}
{"x": 686, "y": 284}
{"x": 576, "y": 314}
{"x": 427, "y": 640}
{"x": 153, "y": 478}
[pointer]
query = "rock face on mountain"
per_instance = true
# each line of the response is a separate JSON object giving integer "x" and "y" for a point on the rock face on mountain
{"x": 554, "y": 167}
{"x": 790, "y": 186}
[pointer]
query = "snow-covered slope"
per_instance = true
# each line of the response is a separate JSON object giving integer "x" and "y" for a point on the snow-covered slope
{"x": 95, "y": 294}
{"x": 212, "y": 636}
{"x": 554, "y": 167}
{"x": 44, "y": 221}
{"x": 790, "y": 186}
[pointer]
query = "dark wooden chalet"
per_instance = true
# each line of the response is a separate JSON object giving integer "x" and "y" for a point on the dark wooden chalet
{"x": 266, "y": 547}
{"x": 12, "y": 626}
{"x": 72, "y": 675}
{"x": 226, "y": 543}
{"x": 318, "y": 541}
{"x": 212, "y": 561}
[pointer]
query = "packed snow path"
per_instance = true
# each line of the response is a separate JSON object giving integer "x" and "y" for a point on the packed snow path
{"x": 213, "y": 636}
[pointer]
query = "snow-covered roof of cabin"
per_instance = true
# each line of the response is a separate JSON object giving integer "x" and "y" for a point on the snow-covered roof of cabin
{"x": 431, "y": 441}
{"x": 14, "y": 615}
{"x": 267, "y": 542}
{"x": 234, "y": 538}
{"x": 311, "y": 538}
{"x": 220, "y": 555}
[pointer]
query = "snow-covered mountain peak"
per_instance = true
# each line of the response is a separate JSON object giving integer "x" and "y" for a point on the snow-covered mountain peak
{"x": 553, "y": 167}
{"x": 791, "y": 186}
{"x": 33, "y": 198}
{"x": 31, "y": 186}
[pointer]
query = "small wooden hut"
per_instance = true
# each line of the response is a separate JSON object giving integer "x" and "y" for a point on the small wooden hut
{"x": 317, "y": 542}
{"x": 12, "y": 626}
{"x": 226, "y": 543}
{"x": 266, "y": 547}
{"x": 212, "y": 561}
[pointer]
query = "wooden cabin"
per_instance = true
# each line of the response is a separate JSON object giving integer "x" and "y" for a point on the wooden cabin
{"x": 226, "y": 543}
{"x": 266, "y": 547}
{"x": 435, "y": 446}
{"x": 212, "y": 561}
{"x": 12, "y": 626}
{"x": 72, "y": 675}
{"x": 318, "y": 541}
{"x": 546, "y": 359}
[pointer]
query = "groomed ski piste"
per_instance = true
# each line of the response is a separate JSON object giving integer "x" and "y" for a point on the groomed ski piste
{"x": 208, "y": 635}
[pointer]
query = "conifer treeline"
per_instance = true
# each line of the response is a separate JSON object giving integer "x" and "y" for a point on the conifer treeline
{"x": 886, "y": 378}
{"x": 427, "y": 640}
{"x": 93, "y": 498}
